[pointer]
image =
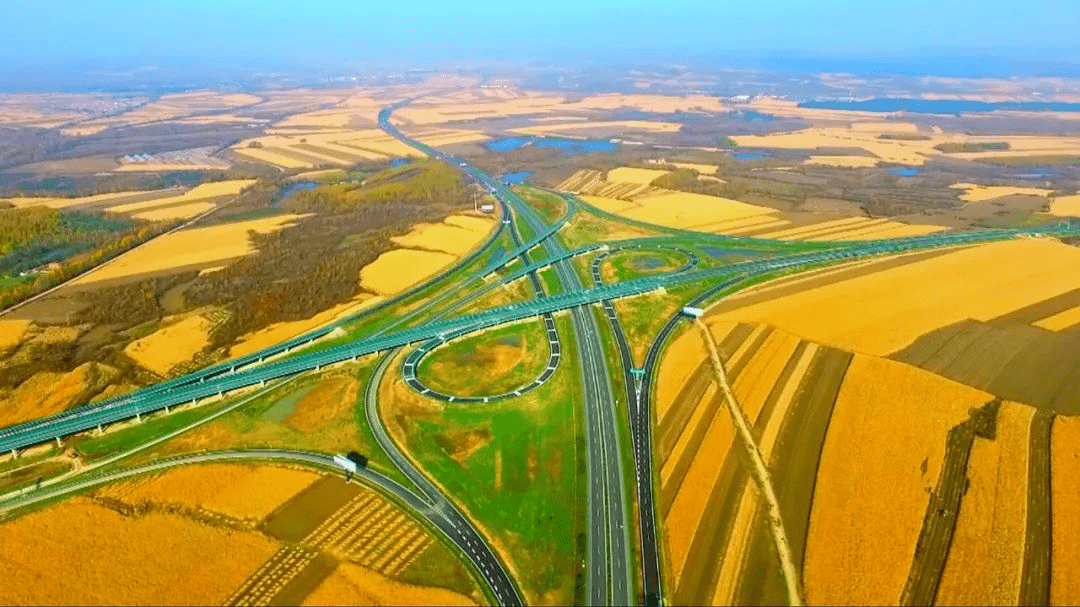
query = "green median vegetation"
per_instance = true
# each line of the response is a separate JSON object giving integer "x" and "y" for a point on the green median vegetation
{"x": 517, "y": 468}
{"x": 488, "y": 363}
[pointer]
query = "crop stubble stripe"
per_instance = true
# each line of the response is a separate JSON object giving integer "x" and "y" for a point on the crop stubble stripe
{"x": 1038, "y": 540}
{"x": 796, "y": 457}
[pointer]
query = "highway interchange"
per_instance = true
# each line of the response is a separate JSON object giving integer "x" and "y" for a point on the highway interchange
{"x": 613, "y": 413}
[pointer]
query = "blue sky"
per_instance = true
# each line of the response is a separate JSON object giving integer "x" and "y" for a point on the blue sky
{"x": 313, "y": 30}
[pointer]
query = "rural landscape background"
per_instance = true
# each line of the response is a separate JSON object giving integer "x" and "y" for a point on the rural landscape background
{"x": 584, "y": 304}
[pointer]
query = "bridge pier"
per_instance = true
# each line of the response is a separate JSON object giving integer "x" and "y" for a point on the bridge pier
{"x": 58, "y": 443}
{"x": 262, "y": 382}
{"x": 138, "y": 417}
{"x": 100, "y": 430}
{"x": 166, "y": 409}
{"x": 14, "y": 454}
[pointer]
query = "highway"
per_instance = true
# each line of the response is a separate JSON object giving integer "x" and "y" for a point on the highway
{"x": 472, "y": 544}
{"x": 610, "y": 573}
{"x": 437, "y": 511}
{"x": 608, "y": 563}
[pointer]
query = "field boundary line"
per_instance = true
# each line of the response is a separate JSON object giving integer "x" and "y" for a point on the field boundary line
{"x": 760, "y": 473}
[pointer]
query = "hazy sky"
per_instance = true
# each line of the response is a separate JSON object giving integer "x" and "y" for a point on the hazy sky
{"x": 81, "y": 31}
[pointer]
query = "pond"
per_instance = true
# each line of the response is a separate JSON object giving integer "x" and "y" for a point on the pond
{"x": 399, "y": 162}
{"x": 568, "y": 146}
{"x": 292, "y": 188}
{"x": 750, "y": 155}
{"x": 904, "y": 172}
{"x": 936, "y": 106}
{"x": 516, "y": 177}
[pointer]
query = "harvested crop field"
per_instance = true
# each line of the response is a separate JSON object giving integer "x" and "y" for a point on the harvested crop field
{"x": 242, "y": 492}
{"x": 397, "y": 270}
{"x": 137, "y": 559}
{"x": 188, "y": 248}
{"x": 354, "y": 585}
{"x": 1060, "y": 321}
{"x": 982, "y": 193}
{"x": 199, "y": 193}
{"x": 98, "y": 199}
{"x": 1065, "y": 486}
{"x": 184, "y": 211}
{"x": 986, "y": 557}
{"x": 12, "y": 331}
{"x": 899, "y": 304}
{"x": 847, "y": 162}
{"x": 171, "y": 345}
{"x": 279, "y": 332}
{"x": 882, "y": 454}
{"x": 457, "y": 235}
{"x": 679, "y": 209}
{"x": 1066, "y": 206}
{"x": 635, "y": 175}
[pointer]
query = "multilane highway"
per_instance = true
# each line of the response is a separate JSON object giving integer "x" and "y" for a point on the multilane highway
{"x": 610, "y": 571}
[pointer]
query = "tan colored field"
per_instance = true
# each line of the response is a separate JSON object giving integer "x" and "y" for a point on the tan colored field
{"x": 899, "y": 304}
{"x": 1060, "y": 321}
{"x": 63, "y": 203}
{"x": 896, "y": 151}
{"x": 704, "y": 169}
{"x": 633, "y": 175}
{"x": 450, "y": 237}
{"x": 752, "y": 224}
{"x": 824, "y": 227}
{"x": 12, "y": 331}
{"x": 46, "y": 392}
{"x": 199, "y": 193}
{"x": 270, "y": 157}
{"x": 849, "y": 162}
{"x": 139, "y": 167}
{"x": 986, "y": 557}
{"x": 185, "y": 211}
{"x": 677, "y": 364}
{"x": 279, "y": 332}
{"x": 1066, "y": 206}
{"x": 353, "y": 585}
{"x": 80, "y": 553}
{"x": 688, "y": 508}
{"x": 188, "y": 247}
{"x": 169, "y": 346}
{"x": 889, "y": 229}
{"x": 397, "y": 270}
{"x": 982, "y": 193}
{"x": 1065, "y": 511}
{"x": 889, "y": 424}
{"x": 167, "y": 107}
{"x": 680, "y": 209}
{"x": 243, "y": 492}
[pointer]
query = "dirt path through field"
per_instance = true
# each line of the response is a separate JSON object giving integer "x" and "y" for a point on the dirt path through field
{"x": 760, "y": 473}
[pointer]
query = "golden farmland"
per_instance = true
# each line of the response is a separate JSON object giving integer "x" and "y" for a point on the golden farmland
{"x": 154, "y": 559}
{"x": 187, "y": 248}
{"x": 890, "y": 420}
{"x": 899, "y": 304}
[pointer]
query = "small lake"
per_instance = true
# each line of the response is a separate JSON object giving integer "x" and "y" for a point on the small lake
{"x": 905, "y": 172}
{"x": 936, "y": 106}
{"x": 751, "y": 116}
{"x": 750, "y": 155}
{"x": 399, "y": 162}
{"x": 516, "y": 177}
{"x": 568, "y": 146}
{"x": 291, "y": 189}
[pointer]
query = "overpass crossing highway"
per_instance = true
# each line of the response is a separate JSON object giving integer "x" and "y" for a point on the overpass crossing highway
{"x": 230, "y": 376}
